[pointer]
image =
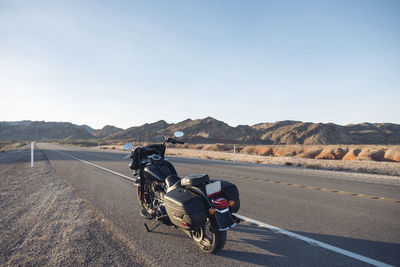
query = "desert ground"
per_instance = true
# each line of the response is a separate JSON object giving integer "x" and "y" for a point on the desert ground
{"x": 373, "y": 159}
{"x": 44, "y": 222}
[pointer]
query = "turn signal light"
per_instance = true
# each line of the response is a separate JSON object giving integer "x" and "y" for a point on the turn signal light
{"x": 211, "y": 211}
{"x": 231, "y": 203}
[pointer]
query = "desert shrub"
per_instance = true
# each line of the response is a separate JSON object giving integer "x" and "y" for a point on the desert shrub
{"x": 21, "y": 144}
{"x": 239, "y": 149}
{"x": 223, "y": 147}
{"x": 249, "y": 150}
{"x": 263, "y": 151}
{"x": 200, "y": 147}
{"x": 377, "y": 155}
{"x": 313, "y": 166}
{"x": 340, "y": 152}
{"x": 211, "y": 147}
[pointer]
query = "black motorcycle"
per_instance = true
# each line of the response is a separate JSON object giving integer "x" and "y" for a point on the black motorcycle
{"x": 199, "y": 206}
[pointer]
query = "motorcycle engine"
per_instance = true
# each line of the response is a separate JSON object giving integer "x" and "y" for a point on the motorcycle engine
{"x": 158, "y": 203}
{"x": 159, "y": 190}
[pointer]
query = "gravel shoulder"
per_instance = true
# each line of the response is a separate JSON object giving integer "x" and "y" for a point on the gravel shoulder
{"x": 43, "y": 222}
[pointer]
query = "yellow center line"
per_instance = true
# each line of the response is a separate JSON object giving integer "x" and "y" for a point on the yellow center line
{"x": 308, "y": 187}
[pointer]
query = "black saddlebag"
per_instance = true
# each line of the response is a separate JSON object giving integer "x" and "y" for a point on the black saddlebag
{"x": 185, "y": 209}
{"x": 230, "y": 192}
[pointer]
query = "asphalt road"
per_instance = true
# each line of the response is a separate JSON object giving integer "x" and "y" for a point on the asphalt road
{"x": 357, "y": 213}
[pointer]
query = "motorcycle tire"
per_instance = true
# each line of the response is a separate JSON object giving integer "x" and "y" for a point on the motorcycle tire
{"x": 142, "y": 203}
{"x": 208, "y": 239}
{"x": 138, "y": 192}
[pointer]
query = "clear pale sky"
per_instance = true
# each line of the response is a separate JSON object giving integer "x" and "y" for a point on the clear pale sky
{"x": 126, "y": 63}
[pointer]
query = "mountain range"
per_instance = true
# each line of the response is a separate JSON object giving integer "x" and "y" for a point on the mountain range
{"x": 210, "y": 130}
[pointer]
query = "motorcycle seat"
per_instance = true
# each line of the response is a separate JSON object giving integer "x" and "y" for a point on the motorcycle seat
{"x": 172, "y": 182}
{"x": 195, "y": 180}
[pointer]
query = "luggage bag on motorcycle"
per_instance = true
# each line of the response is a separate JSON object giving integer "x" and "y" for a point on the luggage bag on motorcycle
{"x": 185, "y": 209}
{"x": 230, "y": 192}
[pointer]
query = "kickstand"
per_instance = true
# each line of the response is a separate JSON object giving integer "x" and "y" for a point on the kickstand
{"x": 154, "y": 227}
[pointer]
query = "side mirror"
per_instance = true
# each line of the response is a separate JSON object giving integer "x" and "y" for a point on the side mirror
{"x": 128, "y": 146}
{"x": 178, "y": 134}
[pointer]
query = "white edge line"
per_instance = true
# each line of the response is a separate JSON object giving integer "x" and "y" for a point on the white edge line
{"x": 97, "y": 166}
{"x": 265, "y": 225}
{"x": 316, "y": 243}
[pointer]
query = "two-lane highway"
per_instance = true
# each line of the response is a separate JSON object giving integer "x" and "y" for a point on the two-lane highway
{"x": 357, "y": 213}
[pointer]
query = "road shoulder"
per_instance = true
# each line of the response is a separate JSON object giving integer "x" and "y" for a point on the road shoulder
{"x": 43, "y": 222}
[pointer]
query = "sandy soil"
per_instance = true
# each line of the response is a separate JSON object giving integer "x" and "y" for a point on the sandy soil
{"x": 374, "y": 167}
{"x": 359, "y": 164}
{"x": 42, "y": 222}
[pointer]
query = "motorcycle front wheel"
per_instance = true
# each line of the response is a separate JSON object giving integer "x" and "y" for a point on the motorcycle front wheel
{"x": 145, "y": 203}
{"x": 209, "y": 239}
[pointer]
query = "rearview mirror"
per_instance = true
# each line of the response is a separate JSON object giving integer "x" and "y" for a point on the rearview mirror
{"x": 178, "y": 134}
{"x": 128, "y": 146}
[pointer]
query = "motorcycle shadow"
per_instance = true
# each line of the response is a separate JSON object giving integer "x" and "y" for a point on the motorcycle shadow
{"x": 251, "y": 244}
{"x": 256, "y": 245}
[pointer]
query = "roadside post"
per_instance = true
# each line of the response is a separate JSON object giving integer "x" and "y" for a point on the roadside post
{"x": 234, "y": 152}
{"x": 32, "y": 148}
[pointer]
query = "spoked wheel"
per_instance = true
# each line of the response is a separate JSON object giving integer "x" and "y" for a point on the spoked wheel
{"x": 209, "y": 239}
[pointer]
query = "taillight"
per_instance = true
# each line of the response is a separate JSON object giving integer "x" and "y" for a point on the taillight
{"x": 211, "y": 211}
{"x": 220, "y": 203}
{"x": 231, "y": 203}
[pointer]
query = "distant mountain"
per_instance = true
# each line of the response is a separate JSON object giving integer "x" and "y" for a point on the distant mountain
{"x": 88, "y": 128}
{"x": 106, "y": 131}
{"x": 210, "y": 130}
{"x": 40, "y": 130}
{"x": 146, "y": 132}
{"x": 294, "y": 132}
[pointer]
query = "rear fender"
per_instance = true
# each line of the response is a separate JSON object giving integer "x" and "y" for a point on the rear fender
{"x": 222, "y": 218}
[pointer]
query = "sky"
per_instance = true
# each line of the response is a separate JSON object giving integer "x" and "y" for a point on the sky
{"x": 126, "y": 63}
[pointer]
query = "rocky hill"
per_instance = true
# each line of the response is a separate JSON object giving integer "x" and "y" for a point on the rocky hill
{"x": 210, "y": 130}
{"x": 146, "y": 132}
{"x": 40, "y": 130}
{"x": 106, "y": 131}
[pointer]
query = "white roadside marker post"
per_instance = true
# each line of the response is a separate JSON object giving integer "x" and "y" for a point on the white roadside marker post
{"x": 32, "y": 148}
{"x": 234, "y": 152}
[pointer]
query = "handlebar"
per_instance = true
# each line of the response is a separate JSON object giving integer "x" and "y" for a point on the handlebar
{"x": 172, "y": 141}
{"x": 140, "y": 153}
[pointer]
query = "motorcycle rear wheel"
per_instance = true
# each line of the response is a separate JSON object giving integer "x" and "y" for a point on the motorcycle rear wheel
{"x": 209, "y": 239}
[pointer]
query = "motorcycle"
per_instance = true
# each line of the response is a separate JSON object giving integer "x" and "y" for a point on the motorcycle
{"x": 200, "y": 207}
